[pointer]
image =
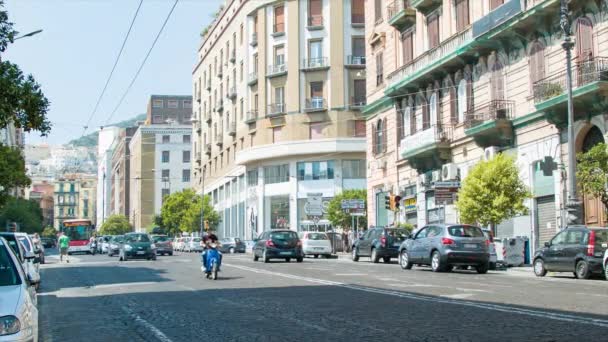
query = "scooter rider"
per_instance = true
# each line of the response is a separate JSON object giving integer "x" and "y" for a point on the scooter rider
{"x": 207, "y": 240}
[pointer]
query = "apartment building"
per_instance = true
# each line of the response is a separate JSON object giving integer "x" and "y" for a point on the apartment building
{"x": 451, "y": 82}
{"x": 279, "y": 87}
{"x": 74, "y": 197}
{"x": 121, "y": 173}
{"x": 164, "y": 109}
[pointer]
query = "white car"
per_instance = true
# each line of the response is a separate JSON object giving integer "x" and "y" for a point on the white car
{"x": 193, "y": 244}
{"x": 178, "y": 243}
{"x": 606, "y": 264}
{"x": 314, "y": 243}
{"x": 492, "y": 248}
{"x": 18, "y": 312}
{"x": 32, "y": 267}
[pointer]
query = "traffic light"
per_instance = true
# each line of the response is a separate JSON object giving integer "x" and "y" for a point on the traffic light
{"x": 387, "y": 202}
{"x": 397, "y": 203}
{"x": 206, "y": 225}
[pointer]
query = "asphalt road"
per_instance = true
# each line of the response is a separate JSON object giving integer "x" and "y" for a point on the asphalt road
{"x": 97, "y": 298}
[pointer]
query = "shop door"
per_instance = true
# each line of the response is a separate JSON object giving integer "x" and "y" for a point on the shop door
{"x": 545, "y": 214}
{"x": 595, "y": 215}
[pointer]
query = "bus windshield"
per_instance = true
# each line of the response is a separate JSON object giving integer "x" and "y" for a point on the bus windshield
{"x": 77, "y": 232}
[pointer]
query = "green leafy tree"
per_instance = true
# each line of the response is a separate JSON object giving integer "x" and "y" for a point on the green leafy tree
{"x": 492, "y": 192}
{"x": 592, "y": 172}
{"x": 116, "y": 225}
{"x": 181, "y": 212}
{"x": 337, "y": 216}
{"x": 49, "y": 232}
{"x": 26, "y": 213}
{"x": 12, "y": 171}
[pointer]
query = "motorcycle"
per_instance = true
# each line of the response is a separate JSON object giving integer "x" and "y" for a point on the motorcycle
{"x": 212, "y": 262}
{"x": 93, "y": 247}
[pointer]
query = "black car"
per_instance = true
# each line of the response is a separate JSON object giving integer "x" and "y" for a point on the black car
{"x": 278, "y": 244}
{"x": 48, "y": 242}
{"x": 137, "y": 246}
{"x": 379, "y": 243}
{"x": 577, "y": 249}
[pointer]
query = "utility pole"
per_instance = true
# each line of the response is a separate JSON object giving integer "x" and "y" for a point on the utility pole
{"x": 203, "y": 168}
{"x": 573, "y": 205}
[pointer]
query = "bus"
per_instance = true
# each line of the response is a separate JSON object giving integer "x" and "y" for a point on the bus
{"x": 79, "y": 231}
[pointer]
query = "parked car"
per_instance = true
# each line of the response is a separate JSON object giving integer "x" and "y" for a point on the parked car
{"x": 27, "y": 242}
{"x": 379, "y": 243}
{"x": 249, "y": 245}
{"x": 18, "y": 312}
{"x": 26, "y": 258}
{"x": 137, "y": 245}
{"x": 577, "y": 249}
{"x": 278, "y": 244}
{"x": 179, "y": 243}
{"x": 163, "y": 244}
{"x": 103, "y": 243}
{"x": 48, "y": 242}
{"x": 443, "y": 246}
{"x": 114, "y": 244}
{"x": 606, "y": 262}
{"x": 491, "y": 248}
{"x": 193, "y": 244}
{"x": 232, "y": 245}
{"x": 315, "y": 243}
{"x": 38, "y": 249}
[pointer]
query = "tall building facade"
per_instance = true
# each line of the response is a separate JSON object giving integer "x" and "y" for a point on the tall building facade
{"x": 166, "y": 109}
{"x": 74, "y": 198}
{"x": 121, "y": 173}
{"x": 278, "y": 90}
{"x": 105, "y": 146}
{"x": 453, "y": 82}
{"x": 42, "y": 192}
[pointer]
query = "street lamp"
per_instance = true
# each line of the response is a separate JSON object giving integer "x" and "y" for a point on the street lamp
{"x": 33, "y": 33}
{"x": 573, "y": 205}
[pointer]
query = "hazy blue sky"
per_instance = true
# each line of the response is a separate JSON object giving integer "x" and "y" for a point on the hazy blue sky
{"x": 72, "y": 58}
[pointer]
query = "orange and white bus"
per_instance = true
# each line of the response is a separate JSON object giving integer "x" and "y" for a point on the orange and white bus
{"x": 79, "y": 231}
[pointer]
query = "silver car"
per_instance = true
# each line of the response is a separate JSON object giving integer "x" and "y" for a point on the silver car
{"x": 443, "y": 246}
{"x": 18, "y": 312}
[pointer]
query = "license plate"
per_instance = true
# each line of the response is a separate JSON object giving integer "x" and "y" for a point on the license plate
{"x": 141, "y": 253}
{"x": 470, "y": 245}
{"x": 318, "y": 248}
{"x": 285, "y": 253}
{"x": 396, "y": 244}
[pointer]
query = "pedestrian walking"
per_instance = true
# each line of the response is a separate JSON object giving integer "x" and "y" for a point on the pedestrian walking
{"x": 350, "y": 240}
{"x": 64, "y": 245}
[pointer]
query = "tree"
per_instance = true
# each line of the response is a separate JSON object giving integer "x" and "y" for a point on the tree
{"x": 116, "y": 225}
{"x": 592, "y": 172}
{"x": 492, "y": 192}
{"x": 26, "y": 213}
{"x": 337, "y": 216}
{"x": 49, "y": 232}
{"x": 181, "y": 212}
{"x": 12, "y": 171}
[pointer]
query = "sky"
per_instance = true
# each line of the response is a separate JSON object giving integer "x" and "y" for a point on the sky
{"x": 74, "y": 55}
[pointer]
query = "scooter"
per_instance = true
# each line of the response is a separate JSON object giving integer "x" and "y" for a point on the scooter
{"x": 93, "y": 247}
{"x": 212, "y": 262}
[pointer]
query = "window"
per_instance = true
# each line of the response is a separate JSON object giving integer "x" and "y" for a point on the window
{"x": 166, "y": 139}
{"x": 433, "y": 111}
{"x": 317, "y": 170}
{"x": 276, "y": 134}
{"x": 186, "y": 139}
{"x": 407, "y": 46}
{"x": 358, "y": 47}
{"x": 185, "y": 156}
{"x": 354, "y": 168}
{"x": 316, "y": 130}
{"x": 157, "y": 103}
{"x": 462, "y": 100}
{"x": 315, "y": 10}
{"x": 378, "y": 11}
{"x": 357, "y": 11}
{"x": 315, "y": 52}
{"x": 279, "y": 55}
{"x": 279, "y": 214}
{"x": 165, "y": 174}
{"x": 241, "y": 72}
{"x": 279, "y": 19}
{"x": 379, "y": 138}
{"x": 537, "y": 62}
{"x": 186, "y": 175}
{"x": 187, "y": 104}
{"x": 379, "y": 69}
{"x": 165, "y": 156}
{"x": 242, "y": 109}
{"x": 255, "y": 25}
{"x": 497, "y": 81}
{"x": 316, "y": 94}
{"x": 241, "y": 35}
{"x": 495, "y": 3}
{"x": 279, "y": 95}
{"x": 252, "y": 178}
{"x": 559, "y": 239}
{"x": 172, "y": 104}
{"x": 359, "y": 98}
{"x": 164, "y": 193}
{"x": 276, "y": 174}
{"x": 584, "y": 39}
{"x": 406, "y": 121}
{"x": 360, "y": 128}
{"x": 432, "y": 26}
{"x": 157, "y": 119}
{"x": 462, "y": 14}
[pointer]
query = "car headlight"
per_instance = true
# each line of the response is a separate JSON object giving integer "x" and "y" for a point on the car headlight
{"x": 153, "y": 246}
{"x": 128, "y": 247}
{"x": 9, "y": 325}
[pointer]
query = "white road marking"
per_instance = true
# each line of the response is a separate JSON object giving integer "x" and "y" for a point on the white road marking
{"x": 154, "y": 330}
{"x": 350, "y": 274}
{"x": 592, "y": 294}
{"x": 317, "y": 268}
{"x": 88, "y": 291}
{"x": 487, "y": 306}
{"x": 388, "y": 279}
{"x": 108, "y": 286}
{"x": 458, "y": 296}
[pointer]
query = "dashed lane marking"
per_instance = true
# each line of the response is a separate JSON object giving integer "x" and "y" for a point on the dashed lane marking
{"x": 154, "y": 330}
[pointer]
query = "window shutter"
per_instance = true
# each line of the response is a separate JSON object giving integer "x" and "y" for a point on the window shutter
{"x": 584, "y": 39}
{"x": 412, "y": 120}
{"x": 384, "y": 136}
{"x": 400, "y": 110}
{"x": 379, "y": 68}
{"x": 470, "y": 95}
{"x": 358, "y": 11}
{"x": 433, "y": 30}
{"x": 495, "y": 3}
{"x": 462, "y": 14}
{"x": 315, "y": 7}
{"x": 279, "y": 19}
{"x": 374, "y": 139}
{"x": 453, "y": 105}
{"x": 426, "y": 120}
{"x": 378, "y": 10}
{"x": 407, "y": 47}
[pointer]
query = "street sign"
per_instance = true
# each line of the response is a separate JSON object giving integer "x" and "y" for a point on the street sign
{"x": 452, "y": 184}
{"x": 355, "y": 207}
{"x": 446, "y": 192}
{"x": 357, "y": 213}
{"x": 314, "y": 204}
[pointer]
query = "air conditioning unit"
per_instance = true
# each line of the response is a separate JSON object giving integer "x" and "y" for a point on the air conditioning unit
{"x": 449, "y": 171}
{"x": 490, "y": 152}
{"x": 436, "y": 176}
{"x": 422, "y": 182}
{"x": 381, "y": 164}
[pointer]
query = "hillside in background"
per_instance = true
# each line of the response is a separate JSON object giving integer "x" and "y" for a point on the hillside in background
{"x": 90, "y": 140}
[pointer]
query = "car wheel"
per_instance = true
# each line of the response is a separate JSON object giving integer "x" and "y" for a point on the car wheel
{"x": 170, "y": 253}
{"x": 386, "y": 260}
{"x": 436, "y": 262}
{"x": 374, "y": 257}
{"x": 231, "y": 250}
{"x": 287, "y": 259}
{"x": 582, "y": 270}
{"x": 255, "y": 257}
{"x": 539, "y": 268}
{"x": 316, "y": 256}
{"x": 606, "y": 270}
{"x": 404, "y": 260}
{"x": 300, "y": 259}
{"x": 483, "y": 269}
{"x": 355, "y": 255}
{"x": 120, "y": 257}
{"x": 265, "y": 257}
{"x": 492, "y": 266}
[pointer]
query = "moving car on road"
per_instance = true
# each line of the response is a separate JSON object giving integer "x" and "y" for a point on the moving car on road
{"x": 193, "y": 244}
{"x": 163, "y": 244}
{"x": 48, "y": 242}
{"x": 18, "y": 312}
{"x": 278, "y": 244}
{"x": 577, "y": 249}
{"x": 379, "y": 243}
{"x": 137, "y": 246}
{"x": 178, "y": 243}
{"x": 315, "y": 243}
{"x": 444, "y": 246}
{"x": 232, "y": 245}
{"x": 114, "y": 244}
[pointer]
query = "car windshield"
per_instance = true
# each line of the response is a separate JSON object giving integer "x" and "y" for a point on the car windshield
{"x": 196, "y": 239}
{"x": 283, "y": 235}
{"x": 9, "y": 276}
{"x": 465, "y": 231}
{"x": 77, "y": 232}
{"x": 26, "y": 243}
{"x": 137, "y": 238}
{"x": 397, "y": 234}
{"x": 160, "y": 238}
{"x": 317, "y": 236}
{"x": 118, "y": 238}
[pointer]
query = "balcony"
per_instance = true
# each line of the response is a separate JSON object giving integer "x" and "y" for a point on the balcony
{"x": 357, "y": 102}
{"x": 357, "y": 20}
{"x": 490, "y": 124}
{"x": 277, "y": 70}
{"x": 589, "y": 88}
{"x": 316, "y": 63}
{"x": 252, "y": 79}
{"x": 208, "y": 149}
{"x": 233, "y": 56}
{"x": 254, "y": 39}
{"x": 315, "y": 22}
{"x": 219, "y": 139}
{"x": 232, "y": 93}
{"x": 232, "y": 129}
{"x": 251, "y": 116}
{"x": 275, "y": 109}
{"x": 355, "y": 62}
{"x": 427, "y": 148}
{"x": 208, "y": 117}
{"x": 316, "y": 104}
{"x": 425, "y": 6}
{"x": 401, "y": 15}
{"x": 219, "y": 106}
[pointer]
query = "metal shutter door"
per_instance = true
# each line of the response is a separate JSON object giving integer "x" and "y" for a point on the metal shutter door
{"x": 545, "y": 209}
